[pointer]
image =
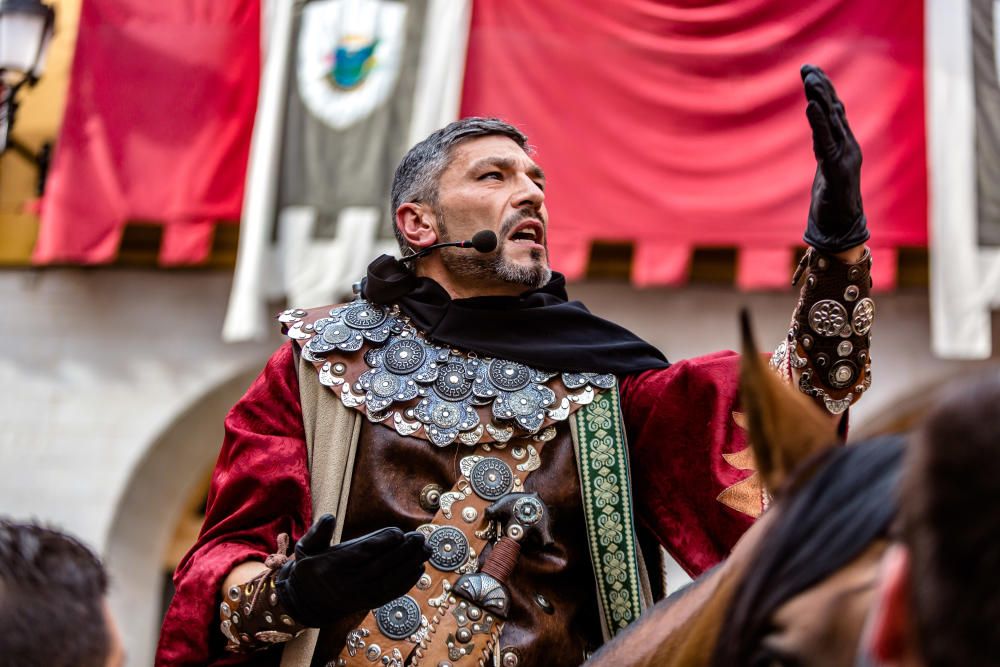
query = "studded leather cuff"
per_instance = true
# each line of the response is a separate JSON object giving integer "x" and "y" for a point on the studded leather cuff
{"x": 829, "y": 340}
{"x": 252, "y": 615}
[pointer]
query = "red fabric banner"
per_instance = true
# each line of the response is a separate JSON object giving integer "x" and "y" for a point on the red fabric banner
{"x": 156, "y": 129}
{"x": 680, "y": 124}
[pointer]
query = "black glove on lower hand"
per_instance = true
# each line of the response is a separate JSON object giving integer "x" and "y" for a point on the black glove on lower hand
{"x": 836, "y": 218}
{"x": 324, "y": 583}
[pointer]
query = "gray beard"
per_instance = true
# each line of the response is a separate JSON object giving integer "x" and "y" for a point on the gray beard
{"x": 475, "y": 266}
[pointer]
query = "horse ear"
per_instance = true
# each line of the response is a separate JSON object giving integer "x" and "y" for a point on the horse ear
{"x": 785, "y": 426}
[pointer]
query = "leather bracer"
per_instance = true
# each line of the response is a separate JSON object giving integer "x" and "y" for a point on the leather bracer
{"x": 252, "y": 616}
{"x": 830, "y": 336}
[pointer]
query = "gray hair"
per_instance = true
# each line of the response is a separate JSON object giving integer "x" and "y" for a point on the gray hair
{"x": 419, "y": 172}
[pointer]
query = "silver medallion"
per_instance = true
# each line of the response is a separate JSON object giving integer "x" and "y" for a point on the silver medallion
{"x": 508, "y": 375}
{"x": 454, "y": 382}
{"x": 449, "y": 548}
{"x": 528, "y": 510}
{"x": 398, "y": 619}
{"x": 491, "y": 478}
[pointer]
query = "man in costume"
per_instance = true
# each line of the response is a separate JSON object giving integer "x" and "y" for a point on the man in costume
{"x": 536, "y": 454}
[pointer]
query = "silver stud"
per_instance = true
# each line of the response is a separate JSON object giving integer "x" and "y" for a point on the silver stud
{"x": 225, "y": 610}
{"x": 845, "y": 348}
{"x": 234, "y": 593}
{"x": 509, "y": 658}
{"x": 852, "y": 292}
{"x": 463, "y": 635}
{"x": 424, "y": 582}
{"x": 469, "y": 514}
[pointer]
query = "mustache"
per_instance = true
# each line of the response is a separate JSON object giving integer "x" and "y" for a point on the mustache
{"x": 514, "y": 219}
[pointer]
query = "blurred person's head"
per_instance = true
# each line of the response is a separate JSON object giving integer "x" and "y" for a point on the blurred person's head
{"x": 939, "y": 602}
{"x": 53, "y": 611}
{"x": 474, "y": 174}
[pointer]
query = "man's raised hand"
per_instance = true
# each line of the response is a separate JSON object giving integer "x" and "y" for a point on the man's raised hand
{"x": 836, "y": 217}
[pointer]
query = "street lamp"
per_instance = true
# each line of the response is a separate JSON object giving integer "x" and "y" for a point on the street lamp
{"x": 25, "y": 31}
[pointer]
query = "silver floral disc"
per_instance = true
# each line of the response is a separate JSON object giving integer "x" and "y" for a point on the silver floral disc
{"x": 404, "y": 355}
{"x": 491, "y": 478}
{"x": 827, "y": 317}
{"x": 385, "y": 385}
{"x": 525, "y": 406}
{"x": 446, "y": 415}
{"x": 335, "y": 334}
{"x": 577, "y": 380}
{"x": 452, "y": 383}
{"x": 449, "y": 548}
{"x": 842, "y": 374}
{"x": 509, "y": 375}
{"x": 364, "y": 316}
{"x": 864, "y": 316}
{"x": 398, "y": 619}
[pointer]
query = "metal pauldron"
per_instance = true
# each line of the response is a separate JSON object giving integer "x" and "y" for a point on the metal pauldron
{"x": 830, "y": 336}
{"x": 253, "y": 618}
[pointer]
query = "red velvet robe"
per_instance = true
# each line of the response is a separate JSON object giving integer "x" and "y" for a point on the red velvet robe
{"x": 679, "y": 422}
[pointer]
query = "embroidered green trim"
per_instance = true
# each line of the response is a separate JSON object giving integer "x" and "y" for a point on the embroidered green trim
{"x": 607, "y": 502}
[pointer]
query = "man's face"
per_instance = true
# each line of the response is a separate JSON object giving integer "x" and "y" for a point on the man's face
{"x": 491, "y": 183}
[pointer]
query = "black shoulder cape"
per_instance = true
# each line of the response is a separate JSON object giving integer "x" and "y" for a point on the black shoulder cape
{"x": 541, "y": 327}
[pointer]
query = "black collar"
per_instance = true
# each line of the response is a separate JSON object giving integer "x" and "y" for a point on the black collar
{"x": 541, "y": 327}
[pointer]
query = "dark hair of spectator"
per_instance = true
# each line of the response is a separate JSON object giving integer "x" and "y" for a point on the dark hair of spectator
{"x": 951, "y": 526}
{"x": 52, "y": 591}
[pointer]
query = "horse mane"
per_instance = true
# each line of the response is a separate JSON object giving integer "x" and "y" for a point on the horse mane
{"x": 847, "y": 501}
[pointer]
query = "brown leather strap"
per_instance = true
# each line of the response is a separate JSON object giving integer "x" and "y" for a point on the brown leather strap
{"x": 252, "y": 615}
{"x": 463, "y": 509}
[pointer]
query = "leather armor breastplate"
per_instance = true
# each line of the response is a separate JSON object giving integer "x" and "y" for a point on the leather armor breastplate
{"x": 428, "y": 407}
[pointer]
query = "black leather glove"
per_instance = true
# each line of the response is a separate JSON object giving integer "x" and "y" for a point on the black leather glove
{"x": 324, "y": 583}
{"x": 836, "y": 218}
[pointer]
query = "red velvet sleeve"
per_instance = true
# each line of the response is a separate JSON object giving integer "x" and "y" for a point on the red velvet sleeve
{"x": 260, "y": 488}
{"x": 690, "y": 465}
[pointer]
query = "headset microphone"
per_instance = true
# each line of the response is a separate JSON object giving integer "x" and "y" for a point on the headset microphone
{"x": 482, "y": 241}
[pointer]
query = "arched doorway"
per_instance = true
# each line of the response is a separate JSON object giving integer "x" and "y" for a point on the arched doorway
{"x": 155, "y": 510}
